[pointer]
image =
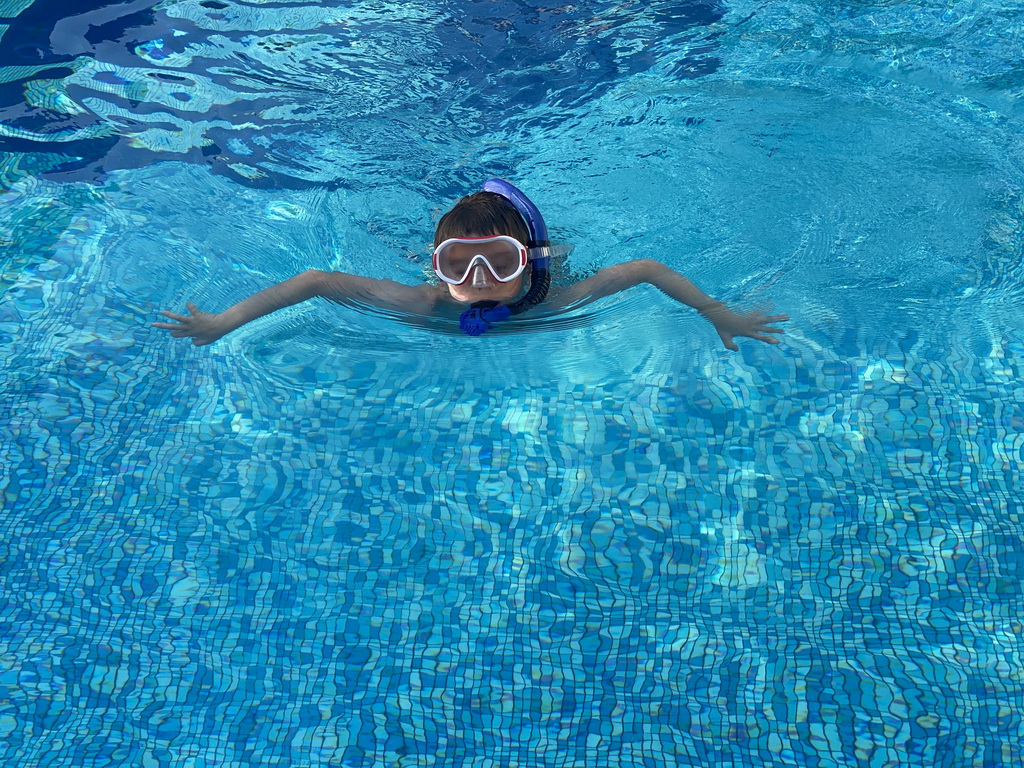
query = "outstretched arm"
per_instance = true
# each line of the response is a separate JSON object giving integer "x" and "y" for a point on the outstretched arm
{"x": 622, "y": 276}
{"x": 206, "y": 327}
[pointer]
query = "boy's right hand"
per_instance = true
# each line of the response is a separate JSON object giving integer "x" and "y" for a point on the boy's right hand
{"x": 204, "y": 327}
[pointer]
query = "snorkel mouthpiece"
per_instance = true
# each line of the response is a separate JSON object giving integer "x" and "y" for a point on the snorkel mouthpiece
{"x": 479, "y": 317}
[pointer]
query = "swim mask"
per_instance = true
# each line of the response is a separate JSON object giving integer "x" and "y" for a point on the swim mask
{"x": 455, "y": 260}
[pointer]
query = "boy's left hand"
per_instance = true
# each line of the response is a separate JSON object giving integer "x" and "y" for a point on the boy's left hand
{"x": 754, "y": 325}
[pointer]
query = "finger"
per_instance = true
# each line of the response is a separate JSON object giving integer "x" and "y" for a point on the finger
{"x": 765, "y": 339}
{"x": 166, "y": 326}
{"x": 192, "y": 308}
{"x": 179, "y": 318}
{"x": 773, "y": 330}
{"x": 727, "y": 340}
{"x": 776, "y": 318}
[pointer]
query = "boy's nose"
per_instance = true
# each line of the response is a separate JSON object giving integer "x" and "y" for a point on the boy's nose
{"x": 480, "y": 277}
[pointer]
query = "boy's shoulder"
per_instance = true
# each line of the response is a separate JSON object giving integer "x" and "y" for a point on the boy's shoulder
{"x": 383, "y": 292}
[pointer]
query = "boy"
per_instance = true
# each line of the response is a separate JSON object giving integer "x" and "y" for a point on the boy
{"x": 480, "y": 257}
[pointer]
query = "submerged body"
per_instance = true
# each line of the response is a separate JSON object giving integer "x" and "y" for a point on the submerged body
{"x": 206, "y": 328}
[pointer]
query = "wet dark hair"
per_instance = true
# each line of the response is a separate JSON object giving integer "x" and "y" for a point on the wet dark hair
{"x": 479, "y": 215}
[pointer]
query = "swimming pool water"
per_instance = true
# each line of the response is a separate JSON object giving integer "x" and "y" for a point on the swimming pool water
{"x": 342, "y": 538}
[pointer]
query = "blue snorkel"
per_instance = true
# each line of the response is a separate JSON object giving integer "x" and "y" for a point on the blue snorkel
{"x": 479, "y": 317}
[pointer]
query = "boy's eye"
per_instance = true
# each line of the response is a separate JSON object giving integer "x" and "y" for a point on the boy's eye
{"x": 460, "y": 263}
{"x": 464, "y": 253}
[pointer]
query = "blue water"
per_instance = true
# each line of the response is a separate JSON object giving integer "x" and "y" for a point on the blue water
{"x": 345, "y": 538}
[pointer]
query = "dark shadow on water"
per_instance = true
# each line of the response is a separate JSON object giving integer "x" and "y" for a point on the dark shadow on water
{"x": 393, "y": 90}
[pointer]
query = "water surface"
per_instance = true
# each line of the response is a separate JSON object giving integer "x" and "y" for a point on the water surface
{"x": 336, "y": 538}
